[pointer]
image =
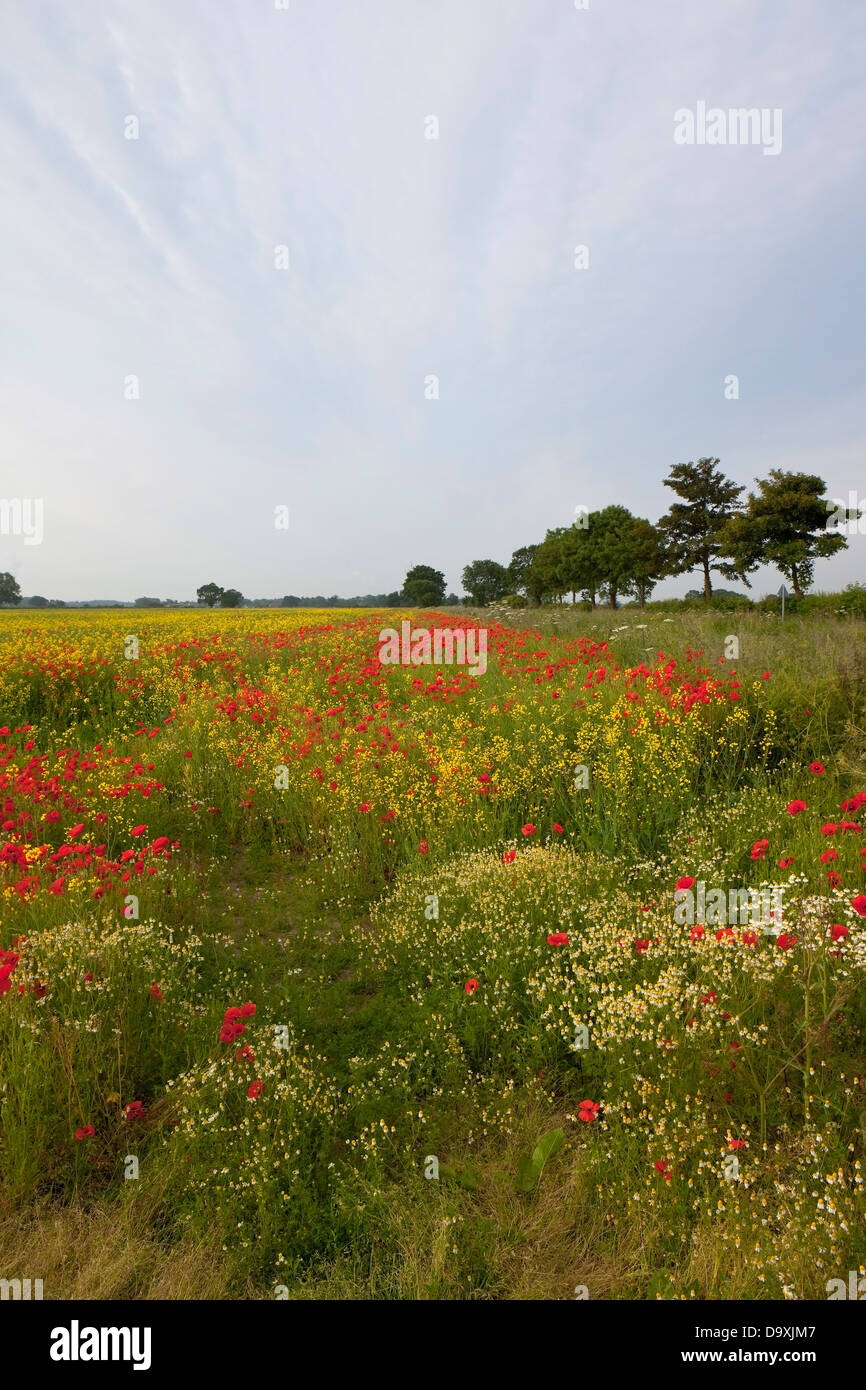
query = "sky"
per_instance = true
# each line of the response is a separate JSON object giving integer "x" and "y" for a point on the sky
{"x": 426, "y": 372}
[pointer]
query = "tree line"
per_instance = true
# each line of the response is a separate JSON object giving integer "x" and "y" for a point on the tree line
{"x": 608, "y": 554}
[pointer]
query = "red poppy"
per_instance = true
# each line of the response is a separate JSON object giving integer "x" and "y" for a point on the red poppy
{"x": 528, "y": 829}
{"x": 785, "y": 941}
{"x": 839, "y": 932}
{"x": 138, "y": 830}
{"x": 683, "y": 883}
{"x": 859, "y": 904}
{"x": 737, "y": 1144}
{"x": 134, "y": 1109}
{"x": 471, "y": 986}
{"x": 696, "y": 933}
{"x": 828, "y": 829}
{"x": 828, "y": 855}
{"x": 795, "y": 807}
{"x": 255, "y": 1090}
{"x": 423, "y": 847}
{"x": 816, "y": 768}
{"x": 247, "y": 1010}
{"x": 786, "y": 863}
{"x": 509, "y": 856}
{"x": 85, "y": 1132}
{"x": 642, "y": 944}
{"x": 558, "y": 828}
{"x": 749, "y": 938}
{"x": 558, "y": 938}
{"x": 156, "y": 992}
{"x": 588, "y": 1110}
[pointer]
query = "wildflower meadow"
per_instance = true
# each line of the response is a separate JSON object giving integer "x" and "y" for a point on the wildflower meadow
{"x": 331, "y": 972}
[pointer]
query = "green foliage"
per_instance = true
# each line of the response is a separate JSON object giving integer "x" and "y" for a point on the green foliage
{"x": 785, "y": 524}
{"x": 531, "y": 1166}
{"x": 424, "y": 587}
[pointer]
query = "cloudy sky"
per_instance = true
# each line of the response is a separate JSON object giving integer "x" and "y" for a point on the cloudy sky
{"x": 148, "y": 265}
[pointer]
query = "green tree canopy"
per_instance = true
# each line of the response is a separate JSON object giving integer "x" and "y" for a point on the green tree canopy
{"x": 485, "y": 581}
{"x": 10, "y": 589}
{"x": 784, "y": 524}
{"x": 209, "y": 594}
{"x": 424, "y": 587}
{"x": 692, "y": 528}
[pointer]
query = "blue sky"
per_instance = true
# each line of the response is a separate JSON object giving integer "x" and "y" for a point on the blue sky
{"x": 411, "y": 257}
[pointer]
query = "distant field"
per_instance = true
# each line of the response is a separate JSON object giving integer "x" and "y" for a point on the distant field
{"x": 327, "y": 978}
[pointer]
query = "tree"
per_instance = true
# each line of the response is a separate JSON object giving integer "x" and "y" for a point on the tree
{"x": 785, "y": 524}
{"x": 692, "y": 528}
{"x": 519, "y": 567}
{"x": 647, "y": 557}
{"x": 424, "y": 587}
{"x": 606, "y": 554}
{"x": 485, "y": 581}
{"x": 231, "y": 598}
{"x": 36, "y": 601}
{"x": 147, "y": 603}
{"x": 209, "y": 594}
{"x": 10, "y": 589}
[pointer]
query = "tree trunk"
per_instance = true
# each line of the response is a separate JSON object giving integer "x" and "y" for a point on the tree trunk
{"x": 613, "y": 593}
{"x": 708, "y": 588}
{"x": 795, "y": 580}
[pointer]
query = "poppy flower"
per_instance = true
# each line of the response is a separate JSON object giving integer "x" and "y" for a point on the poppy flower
{"x": 588, "y": 1110}
{"x": 558, "y": 828}
{"x": 138, "y": 830}
{"x": 816, "y": 768}
{"x": 696, "y": 933}
{"x": 683, "y": 883}
{"x": 255, "y": 1090}
{"x": 786, "y": 863}
{"x": 471, "y": 986}
{"x": 737, "y": 1144}
{"x": 76, "y": 830}
{"x": 859, "y": 904}
{"x": 828, "y": 829}
{"x": 528, "y": 829}
{"x": 509, "y": 856}
{"x": 134, "y": 1110}
{"x": 247, "y": 1010}
{"x": 85, "y": 1132}
{"x": 156, "y": 992}
{"x": 785, "y": 942}
{"x": 749, "y": 938}
{"x": 838, "y": 931}
{"x": 834, "y": 879}
{"x": 828, "y": 855}
{"x": 364, "y": 806}
{"x": 642, "y": 944}
{"x": 558, "y": 938}
{"x": 795, "y": 807}
{"x": 423, "y": 847}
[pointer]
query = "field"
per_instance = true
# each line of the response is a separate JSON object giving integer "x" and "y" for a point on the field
{"x": 326, "y": 978}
